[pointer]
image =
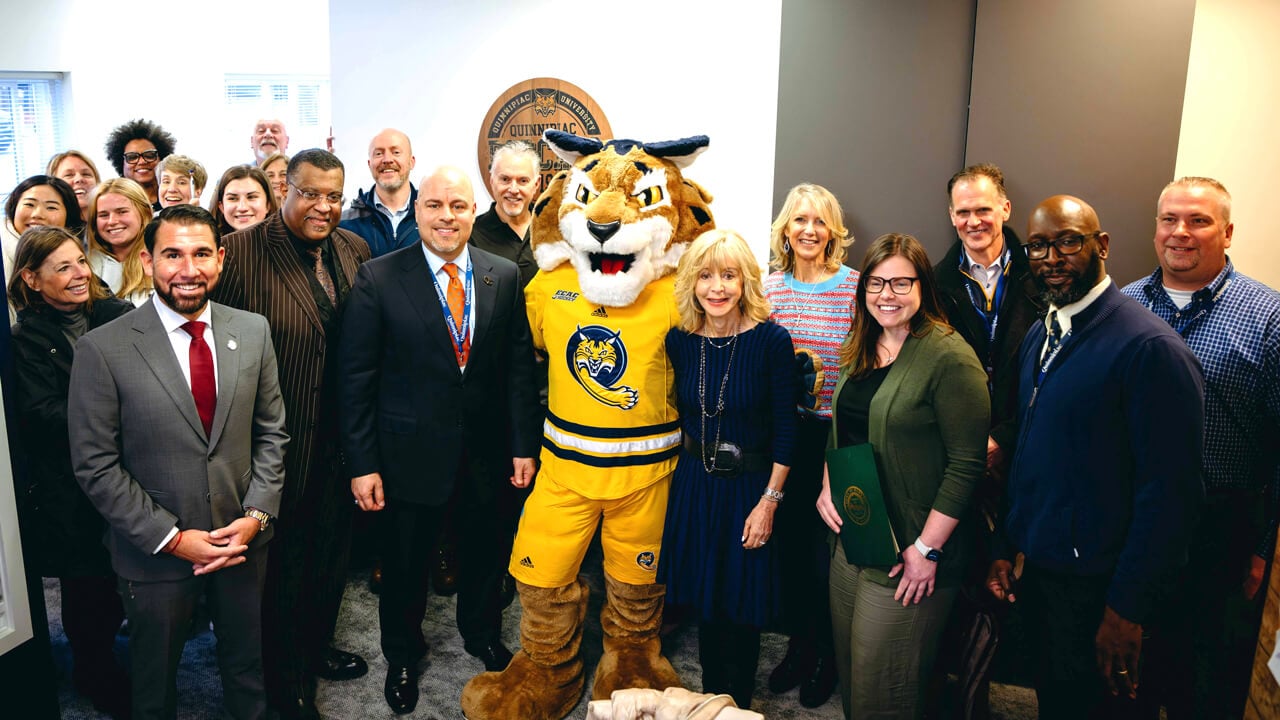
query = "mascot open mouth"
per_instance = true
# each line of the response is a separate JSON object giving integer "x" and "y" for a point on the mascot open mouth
{"x": 610, "y": 264}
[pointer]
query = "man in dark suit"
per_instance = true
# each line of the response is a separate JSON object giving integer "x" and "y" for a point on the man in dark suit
{"x": 439, "y": 409}
{"x": 296, "y": 268}
{"x": 181, "y": 449}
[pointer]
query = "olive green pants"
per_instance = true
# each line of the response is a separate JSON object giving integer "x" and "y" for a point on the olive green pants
{"x": 884, "y": 651}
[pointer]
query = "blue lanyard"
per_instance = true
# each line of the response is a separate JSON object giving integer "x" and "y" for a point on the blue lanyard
{"x": 460, "y": 335}
{"x": 1048, "y": 359}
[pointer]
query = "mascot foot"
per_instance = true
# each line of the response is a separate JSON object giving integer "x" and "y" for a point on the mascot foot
{"x": 631, "y": 619}
{"x": 544, "y": 680}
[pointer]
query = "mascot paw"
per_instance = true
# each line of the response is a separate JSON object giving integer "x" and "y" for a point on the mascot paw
{"x": 626, "y": 665}
{"x": 524, "y": 691}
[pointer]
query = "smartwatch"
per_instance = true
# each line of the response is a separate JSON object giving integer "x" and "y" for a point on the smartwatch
{"x": 929, "y": 553}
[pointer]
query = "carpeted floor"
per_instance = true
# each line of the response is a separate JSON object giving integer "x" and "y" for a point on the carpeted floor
{"x": 448, "y": 667}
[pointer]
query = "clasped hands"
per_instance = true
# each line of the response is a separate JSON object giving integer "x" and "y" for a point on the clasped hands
{"x": 216, "y": 549}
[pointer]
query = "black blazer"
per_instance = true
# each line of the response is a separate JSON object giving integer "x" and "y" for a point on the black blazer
{"x": 407, "y": 411}
{"x": 62, "y": 530}
{"x": 1020, "y": 309}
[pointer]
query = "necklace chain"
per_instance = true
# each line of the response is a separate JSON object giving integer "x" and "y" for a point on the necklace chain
{"x": 732, "y": 344}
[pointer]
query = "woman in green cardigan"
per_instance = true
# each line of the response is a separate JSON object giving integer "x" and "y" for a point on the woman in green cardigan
{"x": 913, "y": 389}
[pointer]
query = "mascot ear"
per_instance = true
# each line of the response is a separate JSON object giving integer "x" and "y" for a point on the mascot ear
{"x": 569, "y": 147}
{"x": 680, "y": 153}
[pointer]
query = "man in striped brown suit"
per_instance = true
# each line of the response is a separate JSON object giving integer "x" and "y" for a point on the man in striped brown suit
{"x": 296, "y": 268}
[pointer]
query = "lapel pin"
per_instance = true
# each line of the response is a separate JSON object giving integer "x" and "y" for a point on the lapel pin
{"x": 488, "y": 280}
{"x": 231, "y": 345}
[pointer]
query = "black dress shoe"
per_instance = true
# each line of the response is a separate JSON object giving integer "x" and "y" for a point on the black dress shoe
{"x": 335, "y": 664}
{"x": 401, "y": 689}
{"x": 796, "y": 665}
{"x": 817, "y": 688}
{"x": 494, "y": 654}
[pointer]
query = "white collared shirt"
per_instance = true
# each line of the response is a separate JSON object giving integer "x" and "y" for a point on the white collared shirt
{"x": 987, "y": 275}
{"x": 1066, "y": 312}
{"x": 181, "y": 340}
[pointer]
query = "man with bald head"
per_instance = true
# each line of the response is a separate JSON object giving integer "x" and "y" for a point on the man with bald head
{"x": 384, "y": 215}
{"x": 440, "y": 410}
{"x": 269, "y": 136}
{"x": 1105, "y": 486}
{"x": 1232, "y": 323}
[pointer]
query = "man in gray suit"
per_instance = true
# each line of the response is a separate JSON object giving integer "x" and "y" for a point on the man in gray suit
{"x": 182, "y": 451}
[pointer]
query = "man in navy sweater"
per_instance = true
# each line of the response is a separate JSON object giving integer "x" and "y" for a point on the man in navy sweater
{"x": 1105, "y": 485}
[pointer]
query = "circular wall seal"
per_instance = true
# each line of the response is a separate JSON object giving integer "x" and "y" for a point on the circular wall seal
{"x": 527, "y": 108}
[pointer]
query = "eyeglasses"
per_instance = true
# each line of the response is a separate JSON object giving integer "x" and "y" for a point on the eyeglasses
{"x": 899, "y": 285}
{"x": 311, "y": 196}
{"x": 1066, "y": 245}
{"x": 133, "y": 158}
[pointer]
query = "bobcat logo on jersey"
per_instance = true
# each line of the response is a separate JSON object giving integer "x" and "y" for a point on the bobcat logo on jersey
{"x": 597, "y": 359}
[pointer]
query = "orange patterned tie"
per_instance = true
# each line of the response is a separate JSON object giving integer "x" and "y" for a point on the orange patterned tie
{"x": 456, "y": 296}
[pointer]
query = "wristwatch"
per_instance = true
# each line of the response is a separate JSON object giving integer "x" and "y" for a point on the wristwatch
{"x": 263, "y": 519}
{"x": 929, "y": 553}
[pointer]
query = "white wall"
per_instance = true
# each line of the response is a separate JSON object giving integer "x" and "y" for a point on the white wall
{"x": 659, "y": 70}
{"x": 117, "y": 68}
{"x": 1228, "y": 122}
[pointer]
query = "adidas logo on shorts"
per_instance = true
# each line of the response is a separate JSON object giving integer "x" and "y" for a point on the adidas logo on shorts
{"x": 526, "y": 562}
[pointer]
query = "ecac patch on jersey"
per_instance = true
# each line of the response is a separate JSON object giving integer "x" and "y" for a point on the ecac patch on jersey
{"x": 597, "y": 359}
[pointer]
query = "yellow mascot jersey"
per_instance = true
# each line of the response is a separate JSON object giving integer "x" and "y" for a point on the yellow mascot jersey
{"x": 612, "y": 426}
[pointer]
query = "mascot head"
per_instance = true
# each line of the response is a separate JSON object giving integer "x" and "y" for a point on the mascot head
{"x": 622, "y": 214}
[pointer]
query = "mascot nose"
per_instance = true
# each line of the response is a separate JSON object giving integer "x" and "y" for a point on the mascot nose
{"x": 603, "y": 231}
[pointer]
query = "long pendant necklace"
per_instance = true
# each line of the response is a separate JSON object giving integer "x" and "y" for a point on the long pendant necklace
{"x": 709, "y": 464}
{"x": 802, "y": 298}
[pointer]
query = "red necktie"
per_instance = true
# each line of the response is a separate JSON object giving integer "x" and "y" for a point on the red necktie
{"x": 203, "y": 387}
{"x": 457, "y": 297}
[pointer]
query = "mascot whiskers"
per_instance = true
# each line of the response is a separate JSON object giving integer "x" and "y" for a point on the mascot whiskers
{"x": 607, "y": 234}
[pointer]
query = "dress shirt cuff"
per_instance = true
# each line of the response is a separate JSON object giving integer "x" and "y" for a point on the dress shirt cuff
{"x": 172, "y": 532}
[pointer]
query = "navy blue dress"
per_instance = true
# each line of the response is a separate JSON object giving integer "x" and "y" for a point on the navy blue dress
{"x": 703, "y": 562}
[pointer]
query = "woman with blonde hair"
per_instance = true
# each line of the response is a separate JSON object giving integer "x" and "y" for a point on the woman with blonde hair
{"x": 119, "y": 211}
{"x": 912, "y": 389}
{"x": 77, "y": 170}
{"x": 813, "y": 295}
{"x": 736, "y": 391}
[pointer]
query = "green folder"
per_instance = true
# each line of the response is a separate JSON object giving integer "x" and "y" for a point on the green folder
{"x": 867, "y": 533}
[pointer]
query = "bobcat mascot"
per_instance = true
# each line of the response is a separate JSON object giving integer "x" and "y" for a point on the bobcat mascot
{"x": 607, "y": 235}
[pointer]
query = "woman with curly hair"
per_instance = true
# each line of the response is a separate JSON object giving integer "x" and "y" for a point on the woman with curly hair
{"x": 135, "y": 148}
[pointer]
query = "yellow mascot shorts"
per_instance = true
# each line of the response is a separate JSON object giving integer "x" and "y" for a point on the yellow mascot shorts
{"x": 558, "y": 523}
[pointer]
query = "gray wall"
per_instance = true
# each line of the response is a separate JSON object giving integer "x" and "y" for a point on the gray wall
{"x": 871, "y": 105}
{"x": 877, "y": 102}
{"x": 1083, "y": 98}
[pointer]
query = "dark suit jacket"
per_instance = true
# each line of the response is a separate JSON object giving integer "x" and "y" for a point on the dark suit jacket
{"x": 408, "y": 413}
{"x": 262, "y": 274}
{"x": 139, "y": 448}
{"x": 1019, "y": 310}
{"x": 62, "y": 530}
